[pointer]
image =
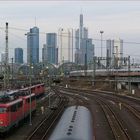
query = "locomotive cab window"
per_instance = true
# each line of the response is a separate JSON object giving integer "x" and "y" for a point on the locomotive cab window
{"x": 14, "y": 108}
{"x": 2, "y": 110}
{"x": 33, "y": 98}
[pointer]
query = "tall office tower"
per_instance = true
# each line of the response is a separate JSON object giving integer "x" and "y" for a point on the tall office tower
{"x": 87, "y": 48}
{"x": 51, "y": 42}
{"x": 18, "y": 55}
{"x": 114, "y": 53}
{"x": 81, "y": 43}
{"x": 109, "y": 53}
{"x": 118, "y": 52}
{"x": 77, "y": 55}
{"x": 33, "y": 46}
{"x": 3, "y": 58}
{"x": 81, "y": 30}
{"x": 85, "y": 33}
{"x": 56, "y": 58}
{"x": 44, "y": 53}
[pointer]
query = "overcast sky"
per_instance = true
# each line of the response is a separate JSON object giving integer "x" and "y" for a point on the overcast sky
{"x": 117, "y": 19}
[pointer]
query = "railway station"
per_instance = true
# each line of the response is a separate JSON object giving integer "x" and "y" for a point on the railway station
{"x": 69, "y": 74}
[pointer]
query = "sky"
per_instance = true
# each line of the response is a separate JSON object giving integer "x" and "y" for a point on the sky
{"x": 118, "y": 19}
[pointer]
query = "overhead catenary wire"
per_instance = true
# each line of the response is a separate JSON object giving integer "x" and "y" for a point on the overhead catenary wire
{"x": 66, "y": 35}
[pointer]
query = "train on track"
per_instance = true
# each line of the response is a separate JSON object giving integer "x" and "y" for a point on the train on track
{"x": 75, "y": 124}
{"x": 106, "y": 72}
{"x": 15, "y": 105}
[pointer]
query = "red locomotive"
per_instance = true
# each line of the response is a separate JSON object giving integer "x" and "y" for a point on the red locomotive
{"x": 15, "y": 106}
{"x": 38, "y": 89}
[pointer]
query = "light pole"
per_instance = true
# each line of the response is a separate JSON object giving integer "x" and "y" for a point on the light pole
{"x": 94, "y": 70}
{"x": 12, "y": 74}
{"x": 72, "y": 45}
{"x": 101, "y": 32}
{"x": 86, "y": 58}
{"x": 47, "y": 68}
{"x": 129, "y": 78}
{"x": 60, "y": 34}
{"x": 30, "y": 78}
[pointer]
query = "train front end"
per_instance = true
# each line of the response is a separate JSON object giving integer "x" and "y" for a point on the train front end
{"x": 4, "y": 118}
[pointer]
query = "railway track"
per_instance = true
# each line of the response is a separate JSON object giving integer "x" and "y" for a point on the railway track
{"x": 40, "y": 133}
{"x": 116, "y": 124}
{"x": 134, "y": 111}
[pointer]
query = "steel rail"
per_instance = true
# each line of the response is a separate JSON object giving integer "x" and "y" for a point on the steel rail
{"x": 45, "y": 125}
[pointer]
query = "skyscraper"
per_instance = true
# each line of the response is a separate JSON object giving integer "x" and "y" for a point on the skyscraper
{"x": 109, "y": 53}
{"x": 83, "y": 44}
{"x": 33, "y": 45}
{"x": 44, "y": 53}
{"x": 118, "y": 52}
{"x": 51, "y": 41}
{"x": 18, "y": 55}
{"x": 114, "y": 53}
{"x": 3, "y": 58}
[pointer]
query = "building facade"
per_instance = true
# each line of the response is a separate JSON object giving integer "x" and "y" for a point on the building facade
{"x": 52, "y": 50}
{"x": 44, "y": 53}
{"x": 109, "y": 53}
{"x": 83, "y": 45}
{"x": 3, "y": 58}
{"x": 114, "y": 53}
{"x": 33, "y": 46}
{"x": 18, "y": 55}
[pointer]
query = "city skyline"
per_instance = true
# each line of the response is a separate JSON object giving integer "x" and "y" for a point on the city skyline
{"x": 50, "y": 16}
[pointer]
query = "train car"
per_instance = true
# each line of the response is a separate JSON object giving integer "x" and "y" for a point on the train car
{"x": 38, "y": 89}
{"x": 15, "y": 105}
{"x": 75, "y": 124}
{"x": 82, "y": 73}
{"x": 26, "y": 104}
{"x": 11, "y": 112}
{"x": 106, "y": 72}
{"x": 15, "y": 108}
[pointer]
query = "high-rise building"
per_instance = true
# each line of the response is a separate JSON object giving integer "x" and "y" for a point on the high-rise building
{"x": 110, "y": 53}
{"x": 52, "y": 50}
{"x": 118, "y": 52}
{"x": 83, "y": 44}
{"x": 114, "y": 53}
{"x": 18, "y": 55}
{"x": 3, "y": 57}
{"x": 56, "y": 58}
{"x": 87, "y": 49}
{"x": 44, "y": 53}
{"x": 33, "y": 45}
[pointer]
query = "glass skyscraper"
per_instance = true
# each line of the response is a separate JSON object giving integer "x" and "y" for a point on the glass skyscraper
{"x": 83, "y": 44}
{"x": 18, "y": 55}
{"x": 51, "y": 41}
{"x": 33, "y": 46}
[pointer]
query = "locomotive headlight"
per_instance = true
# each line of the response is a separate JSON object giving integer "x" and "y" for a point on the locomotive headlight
{"x": 1, "y": 122}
